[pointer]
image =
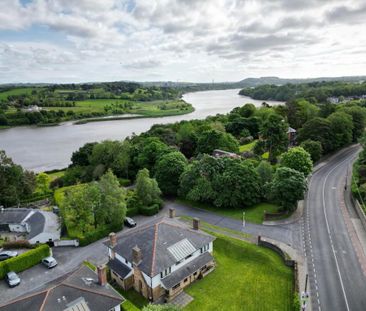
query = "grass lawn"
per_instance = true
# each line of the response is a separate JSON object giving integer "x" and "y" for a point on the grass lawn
{"x": 55, "y": 175}
{"x": 253, "y": 214}
{"x": 247, "y": 277}
{"x": 133, "y": 297}
{"x": 247, "y": 147}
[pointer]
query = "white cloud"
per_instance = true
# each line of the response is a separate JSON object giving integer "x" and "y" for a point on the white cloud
{"x": 180, "y": 39}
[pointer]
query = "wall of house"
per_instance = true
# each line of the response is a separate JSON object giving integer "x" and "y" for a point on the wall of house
{"x": 44, "y": 237}
{"x": 17, "y": 228}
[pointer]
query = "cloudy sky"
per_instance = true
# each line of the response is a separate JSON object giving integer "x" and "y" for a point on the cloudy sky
{"x": 180, "y": 40}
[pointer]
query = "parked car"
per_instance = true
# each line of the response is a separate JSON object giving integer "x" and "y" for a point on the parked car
{"x": 129, "y": 222}
{"x": 12, "y": 279}
{"x": 7, "y": 254}
{"x": 49, "y": 262}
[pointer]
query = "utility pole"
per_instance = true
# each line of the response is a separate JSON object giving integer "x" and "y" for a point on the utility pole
{"x": 243, "y": 220}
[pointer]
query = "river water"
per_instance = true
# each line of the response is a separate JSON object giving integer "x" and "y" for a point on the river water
{"x": 47, "y": 148}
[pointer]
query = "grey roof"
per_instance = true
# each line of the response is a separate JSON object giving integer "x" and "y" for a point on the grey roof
{"x": 82, "y": 284}
{"x": 13, "y": 215}
{"x": 180, "y": 274}
{"x": 291, "y": 130}
{"x": 154, "y": 240}
{"x": 118, "y": 267}
{"x": 36, "y": 223}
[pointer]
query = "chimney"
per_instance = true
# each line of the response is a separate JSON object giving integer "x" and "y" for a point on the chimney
{"x": 102, "y": 275}
{"x": 136, "y": 255}
{"x": 112, "y": 239}
{"x": 171, "y": 212}
{"x": 196, "y": 223}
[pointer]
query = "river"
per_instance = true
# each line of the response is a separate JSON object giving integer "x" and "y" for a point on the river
{"x": 47, "y": 148}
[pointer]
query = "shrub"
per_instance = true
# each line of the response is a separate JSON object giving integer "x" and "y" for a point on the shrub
{"x": 98, "y": 234}
{"x": 150, "y": 210}
{"x": 24, "y": 261}
{"x": 124, "y": 182}
{"x": 17, "y": 244}
{"x": 128, "y": 306}
{"x": 132, "y": 212}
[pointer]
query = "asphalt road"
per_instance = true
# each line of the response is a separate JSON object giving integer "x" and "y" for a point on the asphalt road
{"x": 336, "y": 278}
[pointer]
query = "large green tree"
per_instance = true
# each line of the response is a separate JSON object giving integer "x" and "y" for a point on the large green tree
{"x": 287, "y": 187}
{"x": 298, "y": 159}
{"x": 341, "y": 127}
{"x": 274, "y": 132}
{"x": 15, "y": 183}
{"x": 358, "y": 115}
{"x": 210, "y": 140}
{"x": 147, "y": 189}
{"x": 314, "y": 148}
{"x": 168, "y": 170}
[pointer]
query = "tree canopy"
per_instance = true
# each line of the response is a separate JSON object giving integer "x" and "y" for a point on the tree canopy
{"x": 298, "y": 159}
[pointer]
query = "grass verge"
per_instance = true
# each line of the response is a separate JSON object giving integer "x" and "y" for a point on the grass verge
{"x": 253, "y": 214}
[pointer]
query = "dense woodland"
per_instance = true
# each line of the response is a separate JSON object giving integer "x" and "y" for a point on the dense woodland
{"x": 315, "y": 92}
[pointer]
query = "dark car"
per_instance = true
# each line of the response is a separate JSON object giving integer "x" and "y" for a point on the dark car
{"x": 7, "y": 255}
{"x": 129, "y": 222}
{"x": 12, "y": 279}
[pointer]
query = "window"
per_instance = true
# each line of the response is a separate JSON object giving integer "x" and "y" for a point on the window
{"x": 126, "y": 261}
{"x": 176, "y": 286}
{"x": 165, "y": 272}
{"x": 185, "y": 280}
{"x": 204, "y": 249}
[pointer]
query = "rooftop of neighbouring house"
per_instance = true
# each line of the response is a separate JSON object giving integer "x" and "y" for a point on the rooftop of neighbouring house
{"x": 79, "y": 291}
{"x": 13, "y": 215}
{"x": 162, "y": 242}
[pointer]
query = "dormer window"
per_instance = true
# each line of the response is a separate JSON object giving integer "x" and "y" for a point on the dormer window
{"x": 165, "y": 272}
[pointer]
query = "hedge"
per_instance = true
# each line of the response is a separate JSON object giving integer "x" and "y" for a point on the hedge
{"x": 150, "y": 210}
{"x": 98, "y": 234}
{"x": 17, "y": 244}
{"x": 128, "y": 306}
{"x": 24, "y": 261}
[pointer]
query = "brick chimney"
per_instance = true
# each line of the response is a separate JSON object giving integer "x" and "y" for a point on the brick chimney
{"x": 112, "y": 239}
{"x": 196, "y": 223}
{"x": 171, "y": 212}
{"x": 136, "y": 255}
{"x": 102, "y": 275}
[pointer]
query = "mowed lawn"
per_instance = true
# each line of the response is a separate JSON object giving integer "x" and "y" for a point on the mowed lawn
{"x": 253, "y": 214}
{"x": 247, "y": 277}
{"x": 16, "y": 91}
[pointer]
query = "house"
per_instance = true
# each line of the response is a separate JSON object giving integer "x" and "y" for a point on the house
{"x": 83, "y": 290}
{"x": 33, "y": 225}
{"x": 33, "y": 108}
{"x": 291, "y": 133}
{"x": 217, "y": 153}
{"x": 158, "y": 260}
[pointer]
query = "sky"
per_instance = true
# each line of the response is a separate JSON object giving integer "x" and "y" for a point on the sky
{"x": 180, "y": 40}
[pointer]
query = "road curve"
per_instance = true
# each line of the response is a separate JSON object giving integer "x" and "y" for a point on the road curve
{"x": 337, "y": 280}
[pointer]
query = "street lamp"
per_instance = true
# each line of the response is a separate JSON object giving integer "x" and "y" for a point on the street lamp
{"x": 243, "y": 219}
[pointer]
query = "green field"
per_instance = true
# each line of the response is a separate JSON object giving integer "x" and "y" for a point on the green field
{"x": 151, "y": 108}
{"x": 17, "y": 91}
{"x": 253, "y": 214}
{"x": 247, "y": 147}
{"x": 247, "y": 277}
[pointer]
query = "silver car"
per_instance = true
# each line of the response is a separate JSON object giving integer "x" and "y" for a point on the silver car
{"x": 12, "y": 279}
{"x": 49, "y": 262}
{"x": 7, "y": 255}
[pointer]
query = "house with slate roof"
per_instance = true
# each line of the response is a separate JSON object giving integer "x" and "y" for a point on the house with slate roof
{"x": 83, "y": 290}
{"x": 33, "y": 225}
{"x": 160, "y": 259}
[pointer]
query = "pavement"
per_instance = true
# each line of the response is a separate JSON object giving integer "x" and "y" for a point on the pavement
{"x": 329, "y": 240}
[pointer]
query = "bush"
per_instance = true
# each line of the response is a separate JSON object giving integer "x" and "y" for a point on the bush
{"x": 128, "y": 306}
{"x": 150, "y": 210}
{"x": 132, "y": 212}
{"x": 98, "y": 234}
{"x": 124, "y": 182}
{"x": 24, "y": 261}
{"x": 17, "y": 244}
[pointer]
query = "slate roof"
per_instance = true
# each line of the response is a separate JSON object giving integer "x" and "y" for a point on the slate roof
{"x": 36, "y": 223}
{"x": 154, "y": 240}
{"x": 81, "y": 285}
{"x": 180, "y": 274}
{"x": 118, "y": 267}
{"x": 13, "y": 215}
